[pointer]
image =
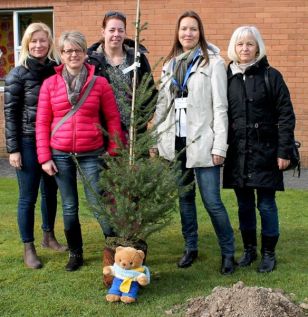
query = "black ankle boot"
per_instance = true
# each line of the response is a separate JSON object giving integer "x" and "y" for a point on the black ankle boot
{"x": 268, "y": 260}
{"x": 188, "y": 258}
{"x": 228, "y": 265}
{"x": 249, "y": 256}
{"x": 249, "y": 238}
{"x": 75, "y": 262}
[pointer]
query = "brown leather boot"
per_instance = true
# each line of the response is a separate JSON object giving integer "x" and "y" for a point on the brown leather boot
{"x": 30, "y": 257}
{"x": 50, "y": 241}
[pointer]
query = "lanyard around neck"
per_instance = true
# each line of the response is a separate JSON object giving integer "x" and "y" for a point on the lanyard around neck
{"x": 174, "y": 81}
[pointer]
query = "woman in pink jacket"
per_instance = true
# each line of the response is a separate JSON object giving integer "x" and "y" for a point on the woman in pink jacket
{"x": 79, "y": 136}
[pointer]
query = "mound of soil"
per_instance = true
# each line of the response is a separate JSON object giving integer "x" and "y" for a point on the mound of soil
{"x": 241, "y": 301}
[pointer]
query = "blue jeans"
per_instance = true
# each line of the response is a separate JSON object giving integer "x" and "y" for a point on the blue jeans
{"x": 67, "y": 181}
{"x": 208, "y": 180}
{"x": 266, "y": 205}
{"x": 30, "y": 178}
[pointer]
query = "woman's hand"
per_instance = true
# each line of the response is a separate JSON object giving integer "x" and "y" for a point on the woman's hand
{"x": 15, "y": 160}
{"x": 217, "y": 159}
{"x": 282, "y": 163}
{"x": 50, "y": 168}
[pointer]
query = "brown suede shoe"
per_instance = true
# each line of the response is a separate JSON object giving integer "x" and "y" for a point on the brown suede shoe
{"x": 30, "y": 257}
{"x": 50, "y": 241}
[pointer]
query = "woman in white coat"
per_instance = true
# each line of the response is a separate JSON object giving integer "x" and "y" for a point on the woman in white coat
{"x": 191, "y": 115}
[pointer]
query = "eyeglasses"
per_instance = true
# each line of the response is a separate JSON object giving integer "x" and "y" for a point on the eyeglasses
{"x": 71, "y": 51}
{"x": 115, "y": 14}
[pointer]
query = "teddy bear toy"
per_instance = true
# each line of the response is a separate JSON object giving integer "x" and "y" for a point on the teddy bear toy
{"x": 129, "y": 274}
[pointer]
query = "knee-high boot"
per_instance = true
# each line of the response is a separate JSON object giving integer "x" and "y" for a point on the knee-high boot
{"x": 250, "y": 247}
{"x": 268, "y": 261}
{"x": 74, "y": 242}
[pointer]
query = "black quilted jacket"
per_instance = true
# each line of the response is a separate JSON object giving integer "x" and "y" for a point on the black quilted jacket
{"x": 22, "y": 86}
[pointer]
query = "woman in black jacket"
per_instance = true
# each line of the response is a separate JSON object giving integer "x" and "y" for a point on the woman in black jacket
{"x": 261, "y": 134}
{"x": 113, "y": 58}
{"x": 22, "y": 85}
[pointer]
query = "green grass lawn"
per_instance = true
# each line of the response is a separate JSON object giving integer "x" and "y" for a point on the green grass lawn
{"x": 52, "y": 291}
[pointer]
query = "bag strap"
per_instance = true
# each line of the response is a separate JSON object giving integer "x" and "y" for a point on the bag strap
{"x": 77, "y": 106}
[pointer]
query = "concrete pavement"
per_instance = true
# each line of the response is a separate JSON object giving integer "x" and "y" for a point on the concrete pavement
{"x": 290, "y": 181}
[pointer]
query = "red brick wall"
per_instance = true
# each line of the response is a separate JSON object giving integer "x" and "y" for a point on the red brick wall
{"x": 283, "y": 24}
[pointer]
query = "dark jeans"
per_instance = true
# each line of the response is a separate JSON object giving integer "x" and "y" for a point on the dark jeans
{"x": 67, "y": 181}
{"x": 208, "y": 180}
{"x": 266, "y": 205}
{"x": 30, "y": 178}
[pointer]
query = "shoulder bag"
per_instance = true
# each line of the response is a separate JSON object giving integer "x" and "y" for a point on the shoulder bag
{"x": 76, "y": 107}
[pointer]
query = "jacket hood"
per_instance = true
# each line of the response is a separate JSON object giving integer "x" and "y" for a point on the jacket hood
{"x": 262, "y": 63}
{"x": 212, "y": 49}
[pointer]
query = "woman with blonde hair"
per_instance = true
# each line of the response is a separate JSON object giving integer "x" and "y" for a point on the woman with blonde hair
{"x": 62, "y": 137}
{"x": 37, "y": 60}
{"x": 261, "y": 135}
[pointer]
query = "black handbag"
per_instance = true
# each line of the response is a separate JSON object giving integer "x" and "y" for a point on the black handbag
{"x": 295, "y": 159}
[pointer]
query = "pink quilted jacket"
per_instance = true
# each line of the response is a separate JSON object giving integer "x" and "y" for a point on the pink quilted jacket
{"x": 81, "y": 132}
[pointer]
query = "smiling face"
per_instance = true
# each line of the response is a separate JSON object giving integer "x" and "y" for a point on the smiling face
{"x": 39, "y": 45}
{"x": 114, "y": 33}
{"x": 246, "y": 49}
{"x": 73, "y": 57}
{"x": 188, "y": 33}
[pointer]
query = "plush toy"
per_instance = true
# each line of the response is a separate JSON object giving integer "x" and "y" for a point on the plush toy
{"x": 129, "y": 274}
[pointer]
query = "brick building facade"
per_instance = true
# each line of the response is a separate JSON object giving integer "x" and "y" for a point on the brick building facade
{"x": 283, "y": 24}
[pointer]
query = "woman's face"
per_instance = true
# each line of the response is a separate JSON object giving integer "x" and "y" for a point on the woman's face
{"x": 39, "y": 45}
{"x": 73, "y": 57}
{"x": 189, "y": 33}
{"x": 114, "y": 33}
{"x": 246, "y": 49}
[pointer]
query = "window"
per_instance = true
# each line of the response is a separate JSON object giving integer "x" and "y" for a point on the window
{"x": 12, "y": 28}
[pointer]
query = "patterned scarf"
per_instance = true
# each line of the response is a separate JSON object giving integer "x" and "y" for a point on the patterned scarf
{"x": 182, "y": 63}
{"x": 74, "y": 83}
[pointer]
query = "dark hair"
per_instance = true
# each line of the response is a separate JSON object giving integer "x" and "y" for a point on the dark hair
{"x": 177, "y": 47}
{"x": 114, "y": 15}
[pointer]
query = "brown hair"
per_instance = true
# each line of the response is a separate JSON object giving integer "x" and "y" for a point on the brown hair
{"x": 114, "y": 15}
{"x": 177, "y": 47}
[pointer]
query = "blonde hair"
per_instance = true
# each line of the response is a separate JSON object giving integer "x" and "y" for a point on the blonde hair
{"x": 30, "y": 30}
{"x": 75, "y": 38}
{"x": 241, "y": 32}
